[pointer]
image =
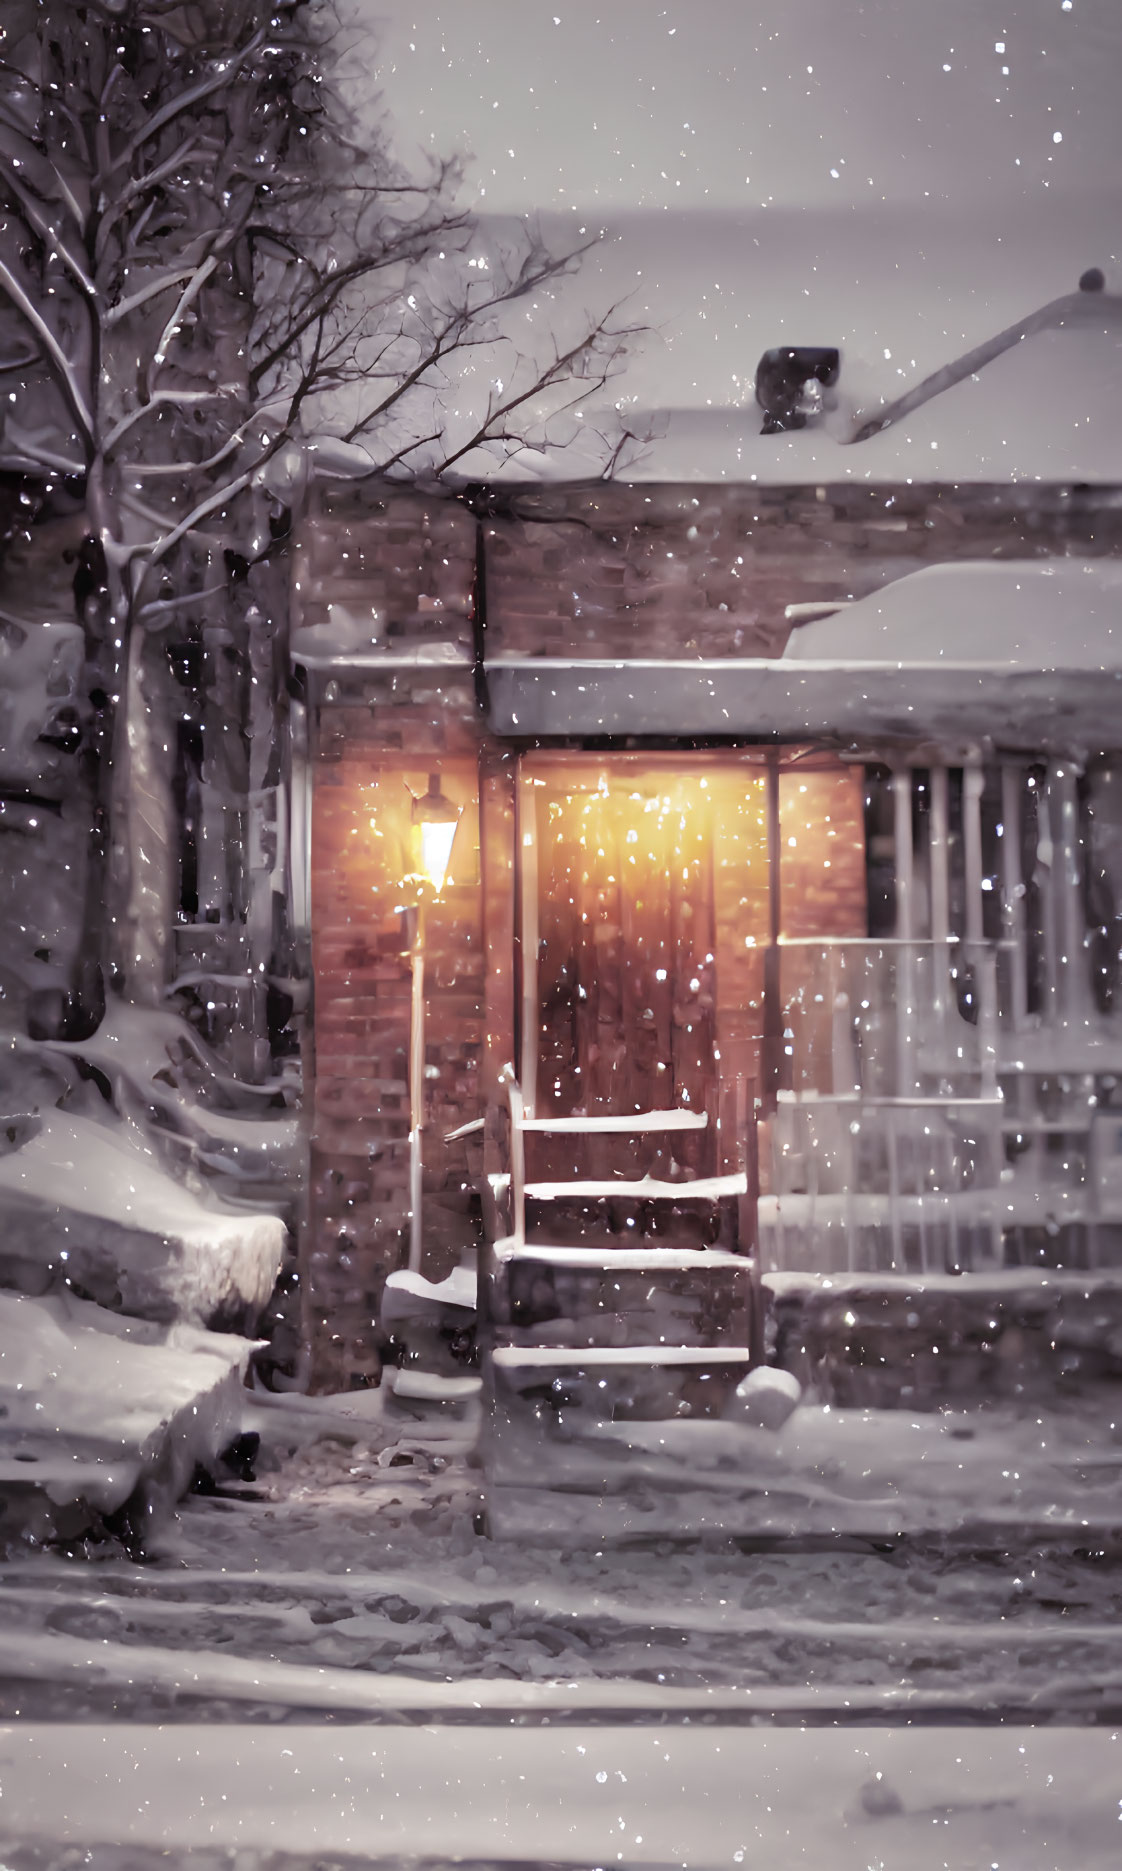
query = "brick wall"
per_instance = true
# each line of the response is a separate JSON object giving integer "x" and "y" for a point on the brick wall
{"x": 708, "y": 571}
{"x": 408, "y": 558}
{"x": 364, "y": 784}
{"x": 407, "y": 563}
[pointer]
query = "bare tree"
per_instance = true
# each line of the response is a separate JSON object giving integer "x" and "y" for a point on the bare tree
{"x": 211, "y": 283}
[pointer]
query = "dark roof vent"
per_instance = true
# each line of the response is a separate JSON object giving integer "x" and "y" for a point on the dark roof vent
{"x": 1093, "y": 280}
{"x": 789, "y": 385}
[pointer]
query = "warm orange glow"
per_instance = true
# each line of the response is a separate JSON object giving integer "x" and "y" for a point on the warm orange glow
{"x": 435, "y": 821}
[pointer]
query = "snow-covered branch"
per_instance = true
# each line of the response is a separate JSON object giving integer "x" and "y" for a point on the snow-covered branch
{"x": 216, "y": 277}
{"x": 124, "y": 308}
{"x": 220, "y": 79}
{"x": 61, "y": 365}
{"x": 164, "y": 399}
{"x": 158, "y": 549}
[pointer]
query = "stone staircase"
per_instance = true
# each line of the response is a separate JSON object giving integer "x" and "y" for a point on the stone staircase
{"x": 593, "y": 1311}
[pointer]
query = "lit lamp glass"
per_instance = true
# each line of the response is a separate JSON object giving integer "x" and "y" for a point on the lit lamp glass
{"x": 435, "y": 822}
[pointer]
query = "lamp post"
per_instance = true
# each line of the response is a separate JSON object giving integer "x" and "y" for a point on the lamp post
{"x": 435, "y": 819}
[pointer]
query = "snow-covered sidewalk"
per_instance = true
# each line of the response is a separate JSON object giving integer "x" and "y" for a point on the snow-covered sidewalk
{"x": 846, "y": 1800}
{"x": 335, "y": 1660}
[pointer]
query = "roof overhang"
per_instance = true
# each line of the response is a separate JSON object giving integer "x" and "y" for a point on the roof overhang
{"x": 1044, "y": 711}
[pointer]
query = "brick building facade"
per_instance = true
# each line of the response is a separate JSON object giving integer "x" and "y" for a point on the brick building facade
{"x": 403, "y": 605}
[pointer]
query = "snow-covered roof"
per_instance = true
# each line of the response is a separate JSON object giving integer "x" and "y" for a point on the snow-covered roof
{"x": 1049, "y": 410}
{"x": 1063, "y": 614}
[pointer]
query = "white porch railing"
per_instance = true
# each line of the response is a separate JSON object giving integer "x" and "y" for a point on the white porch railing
{"x": 893, "y": 1018}
{"x": 865, "y": 1185}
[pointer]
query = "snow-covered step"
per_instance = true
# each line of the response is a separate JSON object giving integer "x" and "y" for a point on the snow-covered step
{"x": 642, "y": 1189}
{"x": 638, "y": 1122}
{"x": 90, "y": 1202}
{"x": 1001, "y": 1472}
{"x": 595, "y": 1331}
{"x": 587, "y": 1296}
{"x": 650, "y": 1255}
{"x": 99, "y": 1412}
{"x": 513, "y": 1358}
{"x": 542, "y": 1396}
{"x": 547, "y": 1402}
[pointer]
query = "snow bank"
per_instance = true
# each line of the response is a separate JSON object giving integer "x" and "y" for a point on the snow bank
{"x": 1062, "y": 614}
{"x": 88, "y": 1202}
{"x": 160, "y": 1057}
{"x": 96, "y": 1410}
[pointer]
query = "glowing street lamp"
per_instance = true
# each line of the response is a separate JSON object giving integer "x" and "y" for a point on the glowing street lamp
{"x": 435, "y": 820}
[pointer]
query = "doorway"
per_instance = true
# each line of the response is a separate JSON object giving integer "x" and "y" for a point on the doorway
{"x": 654, "y": 888}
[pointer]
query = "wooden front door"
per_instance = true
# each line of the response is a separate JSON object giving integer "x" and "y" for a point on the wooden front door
{"x": 645, "y": 917}
{"x": 652, "y": 886}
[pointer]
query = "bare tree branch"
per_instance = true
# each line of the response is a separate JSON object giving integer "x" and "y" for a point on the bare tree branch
{"x": 156, "y": 549}
{"x": 564, "y": 366}
{"x": 38, "y": 220}
{"x": 40, "y": 451}
{"x": 186, "y": 298}
{"x": 176, "y": 470}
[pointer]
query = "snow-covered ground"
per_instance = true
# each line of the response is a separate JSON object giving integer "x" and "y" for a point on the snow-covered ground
{"x": 352, "y": 1578}
{"x": 388, "y": 1681}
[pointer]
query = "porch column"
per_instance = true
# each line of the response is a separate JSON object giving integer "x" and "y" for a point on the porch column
{"x": 973, "y": 784}
{"x": 773, "y": 985}
{"x": 528, "y": 875}
{"x": 939, "y": 856}
{"x": 497, "y": 834}
{"x": 1013, "y": 889}
{"x": 1067, "y": 878}
{"x": 983, "y": 961}
{"x": 904, "y": 855}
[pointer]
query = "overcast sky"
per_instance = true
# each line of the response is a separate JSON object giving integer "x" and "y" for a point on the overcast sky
{"x": 615, "y": 105}
{"x": 900, "y": 177}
